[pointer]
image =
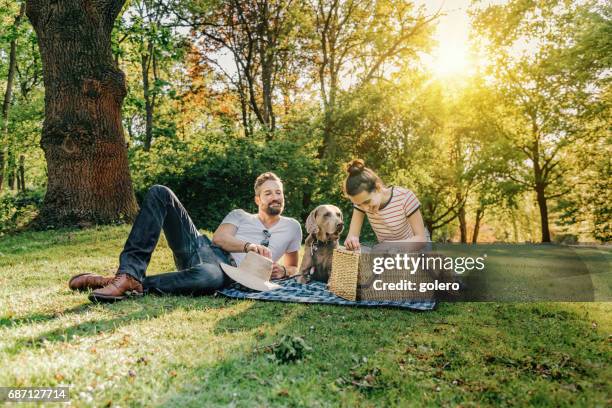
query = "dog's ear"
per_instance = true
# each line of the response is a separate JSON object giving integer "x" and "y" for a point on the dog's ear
{"x": 311, "y": 222}
{"x": 340, "y": 211}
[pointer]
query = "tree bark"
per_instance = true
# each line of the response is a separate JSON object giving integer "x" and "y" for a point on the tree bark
{"x": 430, "y": 225}
{"x": 11, "y": 167}
{"x": 265, "y": 45}
{"x": 83, "y": 141}
{"x": 540, "y": 184}
{"x": 148, "y": 103}
{"x": 479, "y": 216}
{"x": 543, "y": 205}
{"x": 462, "y": 224}
{"x": 21, "y": 174}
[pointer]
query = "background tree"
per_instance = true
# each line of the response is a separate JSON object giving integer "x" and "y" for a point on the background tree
{"x": 356, "y": 41}
{"x": 22, "y": 104}
{"x": 545, "y": 101}
{"x": 150, "y": 49}
{"x": 260, "y": 37}
{"x": 5, "y": 140}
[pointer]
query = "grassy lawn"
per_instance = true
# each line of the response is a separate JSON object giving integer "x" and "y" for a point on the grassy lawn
{"x": 212, "y": 351}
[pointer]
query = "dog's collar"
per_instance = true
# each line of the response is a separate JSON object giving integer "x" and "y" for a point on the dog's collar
{"x": 316, "y": 244}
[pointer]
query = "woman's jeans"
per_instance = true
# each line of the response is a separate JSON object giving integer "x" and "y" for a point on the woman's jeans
{"x": 196, "y": 259}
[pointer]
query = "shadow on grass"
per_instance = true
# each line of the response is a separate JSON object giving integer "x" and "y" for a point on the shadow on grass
{"x": 147, "y": 309}
{"x": 397, "y": 358}
{"x": 256, "y": 317}
{"x": 41, "y": 317}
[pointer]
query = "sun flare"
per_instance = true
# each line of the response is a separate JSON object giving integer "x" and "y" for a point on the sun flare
{"x": 451, "y": 59}
{"x": 451, "y": 56}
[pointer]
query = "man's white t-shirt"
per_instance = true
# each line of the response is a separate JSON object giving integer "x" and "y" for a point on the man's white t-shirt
{"x": 285, "y": 235}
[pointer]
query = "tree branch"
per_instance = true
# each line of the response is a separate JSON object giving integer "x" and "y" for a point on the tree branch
{"x": 393, "y": 49}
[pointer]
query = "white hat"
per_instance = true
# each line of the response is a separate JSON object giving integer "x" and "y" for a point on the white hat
{"x": 254, "y": 272}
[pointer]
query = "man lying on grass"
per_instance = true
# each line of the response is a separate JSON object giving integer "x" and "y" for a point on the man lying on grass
{"x": 196, "y": 258}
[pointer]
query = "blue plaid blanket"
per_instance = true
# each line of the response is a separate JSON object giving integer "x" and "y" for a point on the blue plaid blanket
{"x": 315, "y": 292}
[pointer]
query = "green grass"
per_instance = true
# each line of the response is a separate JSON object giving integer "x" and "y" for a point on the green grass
{"x": 212, "y": 351}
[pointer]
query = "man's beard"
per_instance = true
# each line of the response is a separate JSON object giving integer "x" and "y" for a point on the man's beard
{"x": 274, "y": 210}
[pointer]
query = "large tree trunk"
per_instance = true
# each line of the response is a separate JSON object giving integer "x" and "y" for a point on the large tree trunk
{"x": 83, "y": 140}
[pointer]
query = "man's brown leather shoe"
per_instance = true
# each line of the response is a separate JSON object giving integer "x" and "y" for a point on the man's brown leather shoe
{"x": 121, "y": 286}
{"x": 84, "y": 281}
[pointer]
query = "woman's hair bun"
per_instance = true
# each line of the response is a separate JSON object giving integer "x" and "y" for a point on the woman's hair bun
{"x": 360, "y": 178}
{"x": 355, "y": 167}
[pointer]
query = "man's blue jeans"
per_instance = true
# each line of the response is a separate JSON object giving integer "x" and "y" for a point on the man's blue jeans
{"x": 196, "y": 259}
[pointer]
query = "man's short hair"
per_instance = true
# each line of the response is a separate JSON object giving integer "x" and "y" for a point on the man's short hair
{"x": 262, "y": 178}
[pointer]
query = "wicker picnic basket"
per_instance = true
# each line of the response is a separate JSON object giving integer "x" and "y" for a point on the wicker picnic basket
{"x": 352, "y": 278}
{"x": 344, "y": 275}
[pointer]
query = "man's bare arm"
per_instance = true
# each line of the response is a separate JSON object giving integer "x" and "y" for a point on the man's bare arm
{"x": 225, "y": 237}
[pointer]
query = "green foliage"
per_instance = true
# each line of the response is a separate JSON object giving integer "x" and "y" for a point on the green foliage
{"x": 18, "y": 209}
{"x": 213, "y": 177}
{"x": 19, "y": 135}
{"x": 568, "y": 239}
{"x": 344, "y": 80}
{"x": 149, "y": 51}
{"x": 549, "y": 69}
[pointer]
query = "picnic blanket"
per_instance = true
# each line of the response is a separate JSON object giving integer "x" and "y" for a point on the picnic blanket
{"x": 316, "y": 292}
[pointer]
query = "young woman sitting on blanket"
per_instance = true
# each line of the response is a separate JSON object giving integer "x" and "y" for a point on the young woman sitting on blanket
{"x": 393, "y": 211}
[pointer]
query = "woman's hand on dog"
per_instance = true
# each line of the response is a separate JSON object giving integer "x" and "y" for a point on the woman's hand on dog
{"x": 260, "y": 249}
{"x": 352, "y": 243}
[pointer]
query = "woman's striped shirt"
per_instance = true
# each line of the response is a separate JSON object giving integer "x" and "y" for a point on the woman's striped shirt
{"x": 391, "y": 222}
